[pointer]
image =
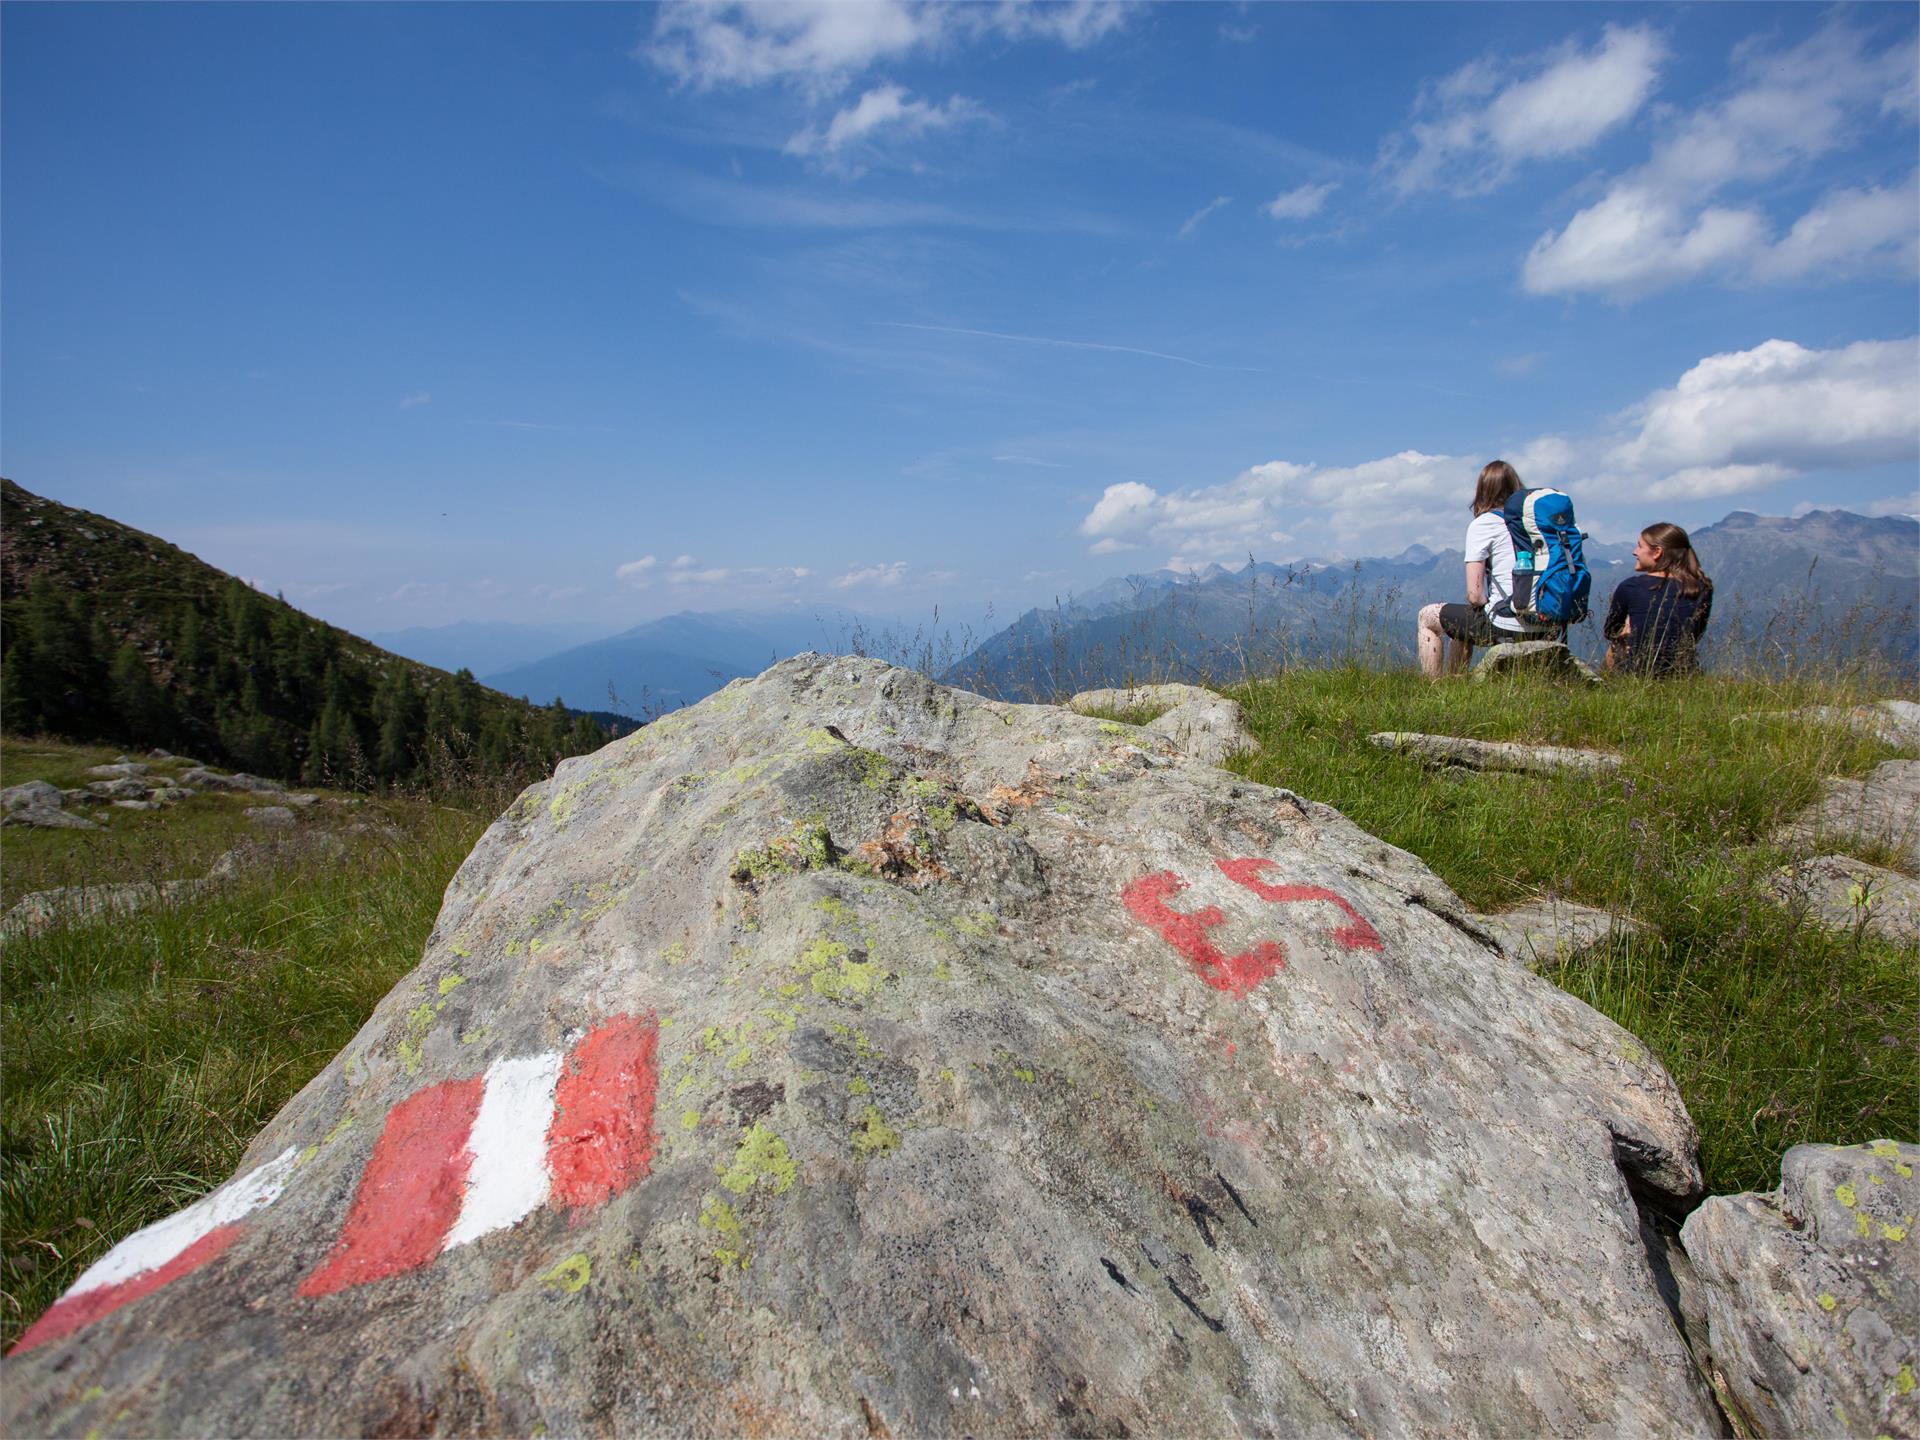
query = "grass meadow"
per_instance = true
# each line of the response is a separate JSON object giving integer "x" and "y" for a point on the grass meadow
{"x": 141, "y": 1053}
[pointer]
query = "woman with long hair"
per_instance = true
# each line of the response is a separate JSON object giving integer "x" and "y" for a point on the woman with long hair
{"x": 1446, "y": 634}
{"x": 1660, "y": 611}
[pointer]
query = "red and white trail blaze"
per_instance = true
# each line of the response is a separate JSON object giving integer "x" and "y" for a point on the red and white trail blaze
{"x": 454, "y": 1161}
{"x": 1146, "y": 900}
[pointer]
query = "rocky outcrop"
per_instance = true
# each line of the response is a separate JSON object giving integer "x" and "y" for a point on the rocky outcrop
{"x": 1510, "y": 755}
{"x": 1841, "y": 893}
{"x": 1202, "y": 724}
{"x": 846, "y": 1055}
{"x": 1883, "y": 809}
{"x": 1892, "y": 722}
{"x": 202, "y": 778}
{"x": 1813, "y": 1293}
{"x": 1544, "y": 657}
{"x": 1551, "y": 930}
{"x": 120, "y": 770}
{"x": 34, "y": 794}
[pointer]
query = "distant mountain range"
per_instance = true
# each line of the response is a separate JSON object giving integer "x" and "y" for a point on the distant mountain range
{"x": 1830, "y": 584}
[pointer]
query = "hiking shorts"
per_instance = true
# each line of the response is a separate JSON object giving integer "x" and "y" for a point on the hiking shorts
{"x": 1472, "y": 626}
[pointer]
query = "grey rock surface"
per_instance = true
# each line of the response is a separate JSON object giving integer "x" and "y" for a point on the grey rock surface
{"x": 136, "y": 805}
{"x": 1202, "y": 724}
{"x": 1552, "y": 929}
{"x": 45, "y": 817}
{"x": 32, "y": 793}
{"x": 1842, "y": 893}
{"x": 1883, "y": 809}
{"x": 1550, "y": 657}
{"x": 1813, "y": 1293}
{"x": 1892, "y": 722}
{"x": 127, "y": 788}
{"x": 42, "y": 909}
{"x": 202, "y": 778}
{"x": 118, "y": 771}
{"x": 272, "y": 816}
{"x": 1497, "y": 754}
{"x": 845, "y": 1055}
{"x": 301, "y": 801}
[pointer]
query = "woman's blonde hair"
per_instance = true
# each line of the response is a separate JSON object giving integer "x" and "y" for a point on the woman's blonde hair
{"x": 1677, "y": 560}
{"x": 1498, "y": 480}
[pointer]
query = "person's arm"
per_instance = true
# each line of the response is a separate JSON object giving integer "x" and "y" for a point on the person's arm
{"x": 1617, "y": 622}
{"x": 1702, "y": 610}
{"x": 1477, "y": 584}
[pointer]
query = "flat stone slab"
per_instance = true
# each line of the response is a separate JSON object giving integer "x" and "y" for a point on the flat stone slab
{"x": 45, "y": 817}
{"x": 204, "y": 779}
{"x": 45, "y": 908}
{"x": 118, "y": 771}
{"x": 846, "y": 1055}
{"x": 1842, "y": 893}
{"x": 1813, "y": 1293}
{"x": 1497, "y": 754}
{"x": 1550, "y": 657}
{"x": 1882, "y": 809}
{"x": 1893, "y": 722}
{"x": 1204, "y": 725}
{"x": 1551, "y": 930}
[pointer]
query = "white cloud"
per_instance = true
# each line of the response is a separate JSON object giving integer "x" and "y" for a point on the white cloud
{"x": 684, "y": 576}
{"x": 1300, "y": 203}
{"x": 824, "y": 44}
{"x": 1519, "y": 364}
{"x": 684, "y": 562}
{"x": 1376, "y": 502}
{"x": 887, "y": 110}
{"x": 1470, "y": 129}
{"x": 1192, "y": 221}
{"x": 881, "y": 576}
{"x": 1752, "y": 418}
{"x": 418, "y": 398}
{"x": 634, "y": 572}
{"x": 1907, "y": 504}
{"x": 1660, "y": 224}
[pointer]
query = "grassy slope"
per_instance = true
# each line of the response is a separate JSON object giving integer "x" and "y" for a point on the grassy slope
{"x": 141, "y": 1055}
{"x": 1777, "y": 1032}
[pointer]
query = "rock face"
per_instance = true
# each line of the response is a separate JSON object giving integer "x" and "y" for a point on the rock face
{"x": 850, "y": 1056}
{"x": 1813, "y": 1293}
{"x": 1497, "y": 754}
{"x": 1204, "y": 725}
{"x": 1883, "y": 809}
{"x": 1840, "y": 893}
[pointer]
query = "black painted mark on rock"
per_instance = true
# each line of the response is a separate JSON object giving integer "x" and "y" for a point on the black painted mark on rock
{"x": 1187, "y": 1300}
{"x": 1119, "y": 1277}
{"x": 1199, "y": 1212}
{"x": 1234, "y": 1195}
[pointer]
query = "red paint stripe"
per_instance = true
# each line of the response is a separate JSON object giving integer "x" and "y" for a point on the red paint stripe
{"x": 1146, "y": 900}
{"x": 64, "y": 1317}
{"x": 1357, "y": 936}
{"x": 601, "y": 1138}
{"x": 410, "y": 1192}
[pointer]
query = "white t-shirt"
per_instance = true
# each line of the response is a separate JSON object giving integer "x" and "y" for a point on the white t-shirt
{"x": 1488, "y": 540}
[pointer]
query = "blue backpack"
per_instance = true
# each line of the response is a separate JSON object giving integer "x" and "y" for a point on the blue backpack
{"x": 1551, "y": 581}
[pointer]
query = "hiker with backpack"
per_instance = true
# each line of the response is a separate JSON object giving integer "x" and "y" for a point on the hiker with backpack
{"x": 1660, "y": 611}
{"x": 1527, "y": 576}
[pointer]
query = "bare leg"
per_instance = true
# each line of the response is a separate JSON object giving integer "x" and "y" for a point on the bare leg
{"x": 1459, "y": 655}
{"x": 1432, "y": 643}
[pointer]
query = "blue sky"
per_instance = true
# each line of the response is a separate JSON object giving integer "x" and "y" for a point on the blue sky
{"x": 594, "y": 313}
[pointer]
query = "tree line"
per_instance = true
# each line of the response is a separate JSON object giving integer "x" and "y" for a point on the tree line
{"x": 234, "y": 678}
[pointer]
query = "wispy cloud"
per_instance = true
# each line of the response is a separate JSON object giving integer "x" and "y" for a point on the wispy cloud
{"x": 1011, "y": 459}
{"x": 416, "y": 399}
{"x": 1302, "y": 202}
{"x": 1065, "y": 344}
{"x": 884, "y": 114}
{"x": 881, "y": 577}
{"x": 635, "y": 572}
{"x": 1520, "y": 364}
{"x": 1192, "y": 222}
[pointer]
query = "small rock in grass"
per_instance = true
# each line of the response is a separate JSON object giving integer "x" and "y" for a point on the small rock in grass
{"x": 1883, "y": 809}
{"x": 117, "y": 771}
{"x": 32, "y": 793}
{"x": 303, "y": 800}
{"x": 135, "y": 805}
{"x": 128, "y": 788}
{"x": 1892, "y": 722}
{"x": 1496, "y": 754}
{"x": 1841, "y": 893}
{"x": 45, "y": 817}
{"x": 1551, "y": 930}
{"x": 1549, "y": 657}
{"x": 274, "y": 817}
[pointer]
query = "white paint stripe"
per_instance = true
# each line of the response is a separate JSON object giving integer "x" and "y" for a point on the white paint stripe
{"x": 154, "y": 1246}
{"x": 508, "y": 1180}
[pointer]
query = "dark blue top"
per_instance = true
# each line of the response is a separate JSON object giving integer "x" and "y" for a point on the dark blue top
{"x": 1662, "y": 623}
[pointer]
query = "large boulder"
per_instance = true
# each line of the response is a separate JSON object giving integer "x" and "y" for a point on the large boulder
{"x": 1201, "y": 723}
{"x": 1813, "y": 1293}
{"x": 847, "y": 1055}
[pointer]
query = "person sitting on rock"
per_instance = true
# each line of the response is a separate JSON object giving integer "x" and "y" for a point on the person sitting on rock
{"x": 1447, "y": 633}
{"x": 1660, "y": 611}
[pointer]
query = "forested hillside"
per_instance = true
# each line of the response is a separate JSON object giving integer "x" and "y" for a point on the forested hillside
{"x": 108, "y": 633}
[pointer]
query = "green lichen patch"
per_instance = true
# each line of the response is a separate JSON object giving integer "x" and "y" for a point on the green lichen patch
{"x": 718, "y": 1216}
{"x": 761, "y": 1161}
{"x": 451, "y": 983}
{"x": 675, "y": 954}
{"x": 808, "y": 846}
{"x": 838, "y": 973}
{"x": 873, "y": 1136}
{"x": 412, "y": 1046}
{"x": 570, "y": 1275}
{"x": 980, "y": 926}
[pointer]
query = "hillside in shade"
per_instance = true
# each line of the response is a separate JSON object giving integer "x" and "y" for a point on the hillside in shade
{"x": 113, "y": 634}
